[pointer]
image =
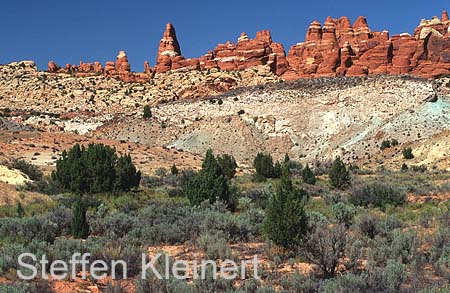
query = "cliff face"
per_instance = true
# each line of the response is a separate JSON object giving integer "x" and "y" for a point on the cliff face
{"x": 336, "y": 48}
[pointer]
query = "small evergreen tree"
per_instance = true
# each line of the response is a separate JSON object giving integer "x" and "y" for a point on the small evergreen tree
{"x": 209, "y": 184}
{"x": 286, "y": 221}
{"x": 339, "y": 174}
{"x": 228, "y": 165}
{"x": 286, "y": 158}
{"x": 80, "y": 227}
{"x": 277, "y": 170}
{"x": 385, "y": 144}
{"x": 127, "y": 176}
{"x": 408, "y": 153}
{"x": 308, "y": 176}
{"x": 94, "y": 170}
{"x": 404, "y": 167}
{"x": 147, "y": 112}
{"x": 174, "y": 170}
{"x": 20, "y": 211}
{"x": 263, "y": 164}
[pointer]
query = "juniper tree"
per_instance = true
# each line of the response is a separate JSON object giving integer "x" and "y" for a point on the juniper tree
{"x": 339, "y": 174}
{"x": 308, "y": 176}
{"x": 80, "y": 227}
{"x": 209, "y": 184}
{"x": 286, "y": 221}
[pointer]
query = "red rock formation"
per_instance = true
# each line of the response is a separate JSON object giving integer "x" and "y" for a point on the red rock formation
{"x": 53, "y": 67}
{"x": 122, "y": 65}
{"x": 169, "y": 51}
{"x": 337, "y": 48}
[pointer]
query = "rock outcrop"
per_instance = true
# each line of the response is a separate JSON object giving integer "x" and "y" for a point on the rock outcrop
{"x": 340, "y": 49}
{"x": 336, "y": 48}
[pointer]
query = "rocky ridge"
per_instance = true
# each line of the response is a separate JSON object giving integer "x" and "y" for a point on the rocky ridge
{"x": 23, "y": 87}
{"x": 336, "y": 48}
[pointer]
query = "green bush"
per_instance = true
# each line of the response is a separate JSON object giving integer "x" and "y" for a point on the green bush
{"x": 385, "y": 144}
{"x": 95, "y": 169}
{"x": 308, "y": 176}
{"x": 263, "y": 163}
{"x": 174, "y": 170}
{"x": 325, "y": 247}
{"x": 28, "y": 169}
{"x": 339, "y": 174}
{"x": 147, "y": 112}
{"x": 80, "y": 226}
{"x": 377, "y": 195}
{"x": 395, "y": 275}
{"x": 408, "y": 153}
{"x": 343, "y": 214}
{"x": 286, "y": 221}
{"x": 210, "y": 184}
{"x": 214, "y": 245}
{"x": 228, "y": 165}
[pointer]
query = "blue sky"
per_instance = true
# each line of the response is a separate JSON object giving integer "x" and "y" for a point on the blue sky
{"x": 95, "y": 30}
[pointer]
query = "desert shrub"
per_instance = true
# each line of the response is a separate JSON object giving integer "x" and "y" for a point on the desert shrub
{"x": 377, "y": 195}
{"x": 367, "y": 225}
{"x": 231, "y": 227}
{"x": 95, "y": 169}
{"x": 420, "y": 168}
{"x": 63, "y": 249}
{"x": 403, "y": 245}
{"x": 343, "y": 214}
{"x": 39, "y": 286}
{"x": 316, "y": 219}
{"x": 385, "y": 144}
{"x": 286, "y": 221}
{"x": 214, "y": 245}
{"x": 399, "y": 245}
{"x": 24, "y": 230}
{"x": 388, "y": 224}
{"x": 326, "y": 247}
{"x": 20, "y": 210}
{"x": 114, "y": 288}
{"x": 166, "y": 223}
{"x": 176, "y": 192}
{"x": 440, "y": 251}
{"x": 345, "y": 283}
{"x": 13, "y": 288}
{"x": 408, "y": 153}
{"x": 32, "y": 171}
{"x": 108, "y": 250}
{"x": 9, "y": 254}
{"x": 115, "y": 226}
{"x": 212, "y": 283}
{"x": 308, "y": 176}
{"x": 322, "y": 167}
{"x": 442, "y": 265}
{"x": 151, "y": 181}
{"x": 259, "y": 196}
{"x": 228, "y": 165}
{"x": 62, "y": 217}
{"x": 339, "y": 174}
{"x": 174, "y": 170}
{"x": 151, "y": 283}
{"x": 395, "y": 275}
{"x": 147, "y": 112}
{"x": 299, "y": 283}
{"x": 404, "y": 167}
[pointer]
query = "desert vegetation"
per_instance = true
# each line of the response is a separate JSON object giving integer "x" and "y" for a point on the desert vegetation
{"x": 315, "y": 228}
